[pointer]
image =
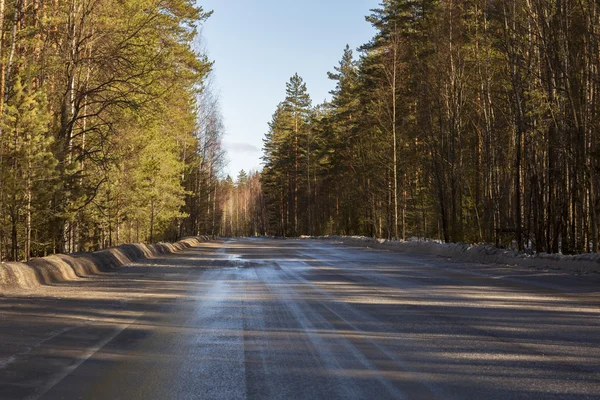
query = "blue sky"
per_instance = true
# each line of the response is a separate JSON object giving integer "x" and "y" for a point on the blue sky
{"x": 257, "y": 45}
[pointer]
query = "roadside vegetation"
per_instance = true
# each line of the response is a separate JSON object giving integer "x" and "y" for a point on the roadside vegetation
{"x": 473, "y": 122}
{"x": 108, "y": 128}
{"x": 459, "y": 121}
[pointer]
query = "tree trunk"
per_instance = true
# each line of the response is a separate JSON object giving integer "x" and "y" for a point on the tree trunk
{"x": 152, "y": 222}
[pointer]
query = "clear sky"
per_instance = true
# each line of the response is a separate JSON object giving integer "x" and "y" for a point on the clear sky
{"x": 257, "y": 45}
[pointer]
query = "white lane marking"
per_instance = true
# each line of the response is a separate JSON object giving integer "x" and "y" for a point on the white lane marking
{"x": 7, "y": 361}
{"x": 83, "y": 358}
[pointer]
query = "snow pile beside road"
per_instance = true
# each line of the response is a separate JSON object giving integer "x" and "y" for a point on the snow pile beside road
{"x": 63, "y": 268}
{"x": 483, "y": 254}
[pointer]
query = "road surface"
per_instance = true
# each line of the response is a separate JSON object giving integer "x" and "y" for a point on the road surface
{"x": 304, "y": 319}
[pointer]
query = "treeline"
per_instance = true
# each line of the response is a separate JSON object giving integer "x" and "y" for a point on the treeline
{"x": 107, "y": 133}
{"x": 243, "y": 209}
{"x": 472, "y": 121}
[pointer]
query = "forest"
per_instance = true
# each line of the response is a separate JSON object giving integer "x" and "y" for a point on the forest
{"x": 109, "y": 130}
{"x": 470, "y": 121}
{"x": 463, "y": 121}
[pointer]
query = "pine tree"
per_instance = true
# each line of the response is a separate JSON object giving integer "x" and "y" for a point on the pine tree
{"x": 297, "y": 104}
{"x": 344, "y": 142}
{"x": 27, "y": 164}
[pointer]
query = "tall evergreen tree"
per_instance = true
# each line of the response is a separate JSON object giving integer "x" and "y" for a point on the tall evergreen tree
{"x": 297, "y": 105}
{"x": 463, "y": 121}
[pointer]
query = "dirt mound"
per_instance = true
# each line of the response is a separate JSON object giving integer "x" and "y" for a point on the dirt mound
{"x": 69, "y": 267}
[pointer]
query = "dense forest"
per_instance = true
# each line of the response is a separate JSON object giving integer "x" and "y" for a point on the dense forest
{"x": 109, "y": 132}
{"x": 464, "y": 121}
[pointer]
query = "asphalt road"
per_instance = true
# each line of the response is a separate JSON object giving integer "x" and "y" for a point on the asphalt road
{"x": 303, "y": 319}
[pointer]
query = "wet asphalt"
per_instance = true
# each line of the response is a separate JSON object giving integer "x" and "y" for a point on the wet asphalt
{"x": 304, "y": 319}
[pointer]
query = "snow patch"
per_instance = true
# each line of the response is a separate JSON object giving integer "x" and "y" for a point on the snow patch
{"x": 63, "y": 268}
{"x": 481, "y": 253}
